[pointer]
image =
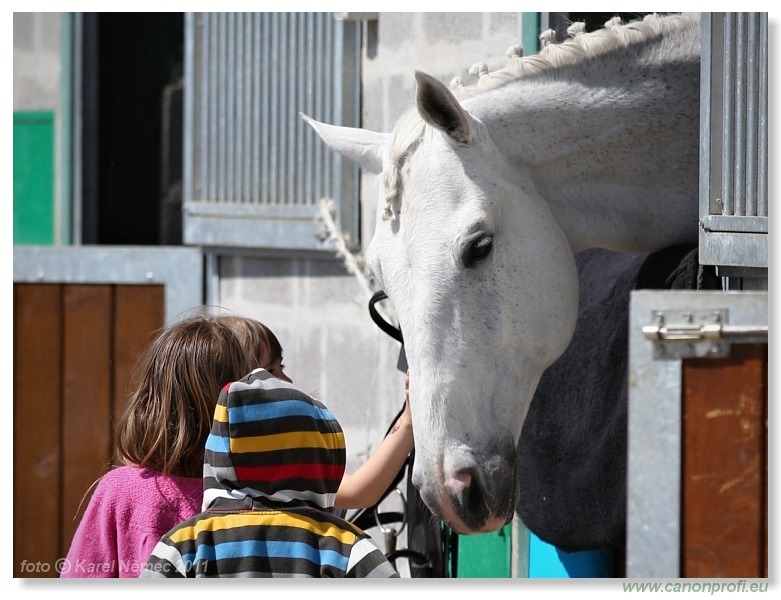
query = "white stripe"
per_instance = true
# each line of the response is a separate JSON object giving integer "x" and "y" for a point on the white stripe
{"x": 321, "y": 500}
{"x": 169, "y": 553}
{"x": 361, "y": 549}
{"x": 269, "y": 383}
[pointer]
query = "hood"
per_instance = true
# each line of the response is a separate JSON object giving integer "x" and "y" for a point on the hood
{"x": 273, "y": 443}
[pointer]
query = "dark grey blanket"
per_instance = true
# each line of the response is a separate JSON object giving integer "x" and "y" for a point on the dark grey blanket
{"x": 573, "y": 448}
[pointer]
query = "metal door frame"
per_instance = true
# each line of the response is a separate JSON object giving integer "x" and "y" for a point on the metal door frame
{"x": 179, "y": 269}
{"x": 654, "y": 428}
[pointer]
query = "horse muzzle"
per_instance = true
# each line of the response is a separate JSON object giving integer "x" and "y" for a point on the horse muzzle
{"x": 473, "y": 493}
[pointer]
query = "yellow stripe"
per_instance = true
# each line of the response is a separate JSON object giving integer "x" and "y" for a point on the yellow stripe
{"x": 286, "y": 441}
{"x": 221, "y": 413}
{"x": 265, "y": 519}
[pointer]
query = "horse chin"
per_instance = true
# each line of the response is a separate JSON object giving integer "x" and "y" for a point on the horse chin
{"x": 469, "y": 509}
{"x": 468, "y": 525}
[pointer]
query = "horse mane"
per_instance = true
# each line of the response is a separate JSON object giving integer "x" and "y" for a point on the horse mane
{"x": 579, "y": 48}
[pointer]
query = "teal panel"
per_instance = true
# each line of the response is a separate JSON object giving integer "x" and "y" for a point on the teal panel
{"x": 530, "y": 32}
{"x": 34, "y": 177}
{"x": 485, "y": 554}
{"x": 547, "y": 561}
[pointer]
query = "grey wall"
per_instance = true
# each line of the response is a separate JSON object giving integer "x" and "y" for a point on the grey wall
{"x": 37, "y": 61}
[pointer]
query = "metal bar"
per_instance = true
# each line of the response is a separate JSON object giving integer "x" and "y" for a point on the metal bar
{"x": 728, "y": 95}
{"x": 265, "y": 118}
{"x": 211, "y": 55}
{"x": 752, "y": 82}
{"x": 654, "y": 454}
{"x": 739, "y": 116}
{"x": 231, "y": 92}
{"x": 307, "y": 160}
{"x": 256, "y": 76}
{"x": 272, "y": 62}
{"x": 222, "y": 84}
{"x": 318, "y": 110}
{"x": 762, "y": 93}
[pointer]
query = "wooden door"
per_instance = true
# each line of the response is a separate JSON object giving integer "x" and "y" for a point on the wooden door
{"x": 724, "y": 465}
{"x": 75, "y": 346}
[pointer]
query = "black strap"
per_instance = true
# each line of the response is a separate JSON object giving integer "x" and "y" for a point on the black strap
{"x": 391, "y": 330}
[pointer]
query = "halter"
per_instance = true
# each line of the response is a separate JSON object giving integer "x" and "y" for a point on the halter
{"x": 391, "y": 330}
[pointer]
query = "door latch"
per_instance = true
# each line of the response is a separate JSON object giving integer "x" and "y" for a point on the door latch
{"x": 698, "y": 333}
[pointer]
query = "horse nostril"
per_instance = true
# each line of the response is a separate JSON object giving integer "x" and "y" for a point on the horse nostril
{"x": 471, "y": 500}
{"x": 463, "y": 479}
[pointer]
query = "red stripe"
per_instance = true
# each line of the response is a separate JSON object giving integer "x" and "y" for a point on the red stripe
{"x": 291, "y": 471}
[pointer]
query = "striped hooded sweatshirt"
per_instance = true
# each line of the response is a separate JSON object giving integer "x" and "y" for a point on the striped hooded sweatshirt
{"x": 273, "y": 462}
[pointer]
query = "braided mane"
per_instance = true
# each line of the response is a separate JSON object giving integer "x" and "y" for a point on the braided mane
{"x": 578, "y": 48}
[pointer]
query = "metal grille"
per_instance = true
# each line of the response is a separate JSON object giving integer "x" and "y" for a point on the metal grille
{"x": 734, "y": 168}
{"x": 254, "y": 172}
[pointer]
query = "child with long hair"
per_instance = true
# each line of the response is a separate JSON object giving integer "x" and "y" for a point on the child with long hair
{"x": 160, "y": 441}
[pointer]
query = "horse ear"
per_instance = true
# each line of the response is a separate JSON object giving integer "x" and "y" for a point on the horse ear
{"x": 359, "y": 145}
{"x": 439, "y": 108}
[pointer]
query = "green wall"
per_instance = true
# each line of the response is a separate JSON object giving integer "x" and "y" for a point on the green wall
{"x": 34, "y": 177}
{"x": 484, "y": 555}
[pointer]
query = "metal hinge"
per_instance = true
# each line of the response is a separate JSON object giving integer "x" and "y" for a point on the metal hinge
{"x": 698, "y": 333}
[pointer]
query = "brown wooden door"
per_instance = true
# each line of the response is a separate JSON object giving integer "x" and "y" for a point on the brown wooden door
{"x": 725, "y": 464}
{"x": 75, "y": 346}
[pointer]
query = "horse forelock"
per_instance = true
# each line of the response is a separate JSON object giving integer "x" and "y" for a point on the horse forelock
{"x": 579, "y": 49}
{"x": 407, "y": 135}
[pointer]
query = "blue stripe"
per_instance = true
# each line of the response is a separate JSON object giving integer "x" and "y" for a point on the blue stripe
{"x": 217, "y": 443}
{"x": 270, "y": 549}
{"x": 275, "y": 410}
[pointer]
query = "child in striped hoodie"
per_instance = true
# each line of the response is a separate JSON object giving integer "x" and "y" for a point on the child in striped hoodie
{"x": 274, "y": 460}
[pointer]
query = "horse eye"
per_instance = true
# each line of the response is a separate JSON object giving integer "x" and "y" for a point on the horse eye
{"x": 478, "y": 250}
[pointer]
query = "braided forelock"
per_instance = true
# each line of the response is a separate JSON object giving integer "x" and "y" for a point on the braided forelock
{"x": 406, "y": 138}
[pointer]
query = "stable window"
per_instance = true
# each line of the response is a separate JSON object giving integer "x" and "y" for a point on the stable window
{"x": 254, "y": 172}
{"x": 734, "y": 146}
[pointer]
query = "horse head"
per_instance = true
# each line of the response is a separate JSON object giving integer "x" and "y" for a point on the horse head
{"x": 483, "y": 282}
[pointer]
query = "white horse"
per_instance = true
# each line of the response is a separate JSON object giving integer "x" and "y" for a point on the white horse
{"x": 487, "y": 194}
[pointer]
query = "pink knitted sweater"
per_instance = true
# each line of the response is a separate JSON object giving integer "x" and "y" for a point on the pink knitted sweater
{"x": 131, "y": 509}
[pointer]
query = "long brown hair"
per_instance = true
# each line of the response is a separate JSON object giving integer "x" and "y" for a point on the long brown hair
{"x": 168, "y": 418}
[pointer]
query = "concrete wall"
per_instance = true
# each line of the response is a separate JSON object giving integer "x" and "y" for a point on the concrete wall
{"x": 332, "y": 348}
{"x": 37, "y": 61}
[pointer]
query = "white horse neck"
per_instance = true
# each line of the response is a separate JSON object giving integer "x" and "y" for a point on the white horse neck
{"x": 608, "y": 127}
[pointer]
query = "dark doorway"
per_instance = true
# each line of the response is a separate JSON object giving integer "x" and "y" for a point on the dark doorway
{"x": 130, "y": 127}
